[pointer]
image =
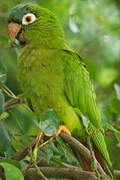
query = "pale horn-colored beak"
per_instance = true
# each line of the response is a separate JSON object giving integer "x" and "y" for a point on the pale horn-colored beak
{"x": 13, "y": 29}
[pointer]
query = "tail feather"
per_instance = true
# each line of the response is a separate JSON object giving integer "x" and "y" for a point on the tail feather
{"x": 97, "y": 155}
{"x": 86, "y": 164}
{"x": 99, "y": 141}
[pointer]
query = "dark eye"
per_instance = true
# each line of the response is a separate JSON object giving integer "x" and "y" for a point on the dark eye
{"x": 28, "y": 18}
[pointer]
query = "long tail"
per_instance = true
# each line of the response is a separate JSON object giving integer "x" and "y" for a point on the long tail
{"x": 99, "y": 141}
{"x": 86, "y": 164}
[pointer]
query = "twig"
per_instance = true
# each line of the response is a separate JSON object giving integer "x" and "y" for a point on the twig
{"x": 34, "y": 163}
{"x": 6, "y": 92}
{"x": 22, "y": 153}
{"x": 51, "y": 172}
{"x": 46, "y": 142}
{"x": 14, "y": 102}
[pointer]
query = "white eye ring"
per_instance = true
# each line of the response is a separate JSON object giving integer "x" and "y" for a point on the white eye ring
{"x": 28, "y": 19}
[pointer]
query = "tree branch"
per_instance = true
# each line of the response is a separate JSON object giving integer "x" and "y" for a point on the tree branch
{"x": 51, "y": 172}
{"x": 80, "y": 148}
{"x": 117, "y": 174}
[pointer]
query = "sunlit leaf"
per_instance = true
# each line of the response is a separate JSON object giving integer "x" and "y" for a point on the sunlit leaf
{"x": 3, "y": 78}
{"x": 12, "y": 172}
{"x": 117, "y": 90}
{"x": 94, "y": 164}
{"x": 85, "y": 121}
{"x": 4, "y": 115}
{"x": 35, "y": 152}
{"x": 49, "y": 122}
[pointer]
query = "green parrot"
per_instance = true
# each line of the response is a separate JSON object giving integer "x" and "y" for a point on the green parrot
{"x": 52, "y": 75}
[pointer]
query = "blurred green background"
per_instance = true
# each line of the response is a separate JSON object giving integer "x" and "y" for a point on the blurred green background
{"x": 92, "y": 28}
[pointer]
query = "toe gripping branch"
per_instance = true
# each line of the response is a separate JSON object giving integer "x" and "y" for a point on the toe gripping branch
{"x": 62, "y": 128}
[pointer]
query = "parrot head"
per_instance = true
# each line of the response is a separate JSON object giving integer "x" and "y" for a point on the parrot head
{"x": 28, "y": 23}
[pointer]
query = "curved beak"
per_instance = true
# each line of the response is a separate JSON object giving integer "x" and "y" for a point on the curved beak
{"x": 13, "y": 30}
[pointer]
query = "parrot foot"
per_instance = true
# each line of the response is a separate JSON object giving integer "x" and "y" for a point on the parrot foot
{"x": 63, "y": 129}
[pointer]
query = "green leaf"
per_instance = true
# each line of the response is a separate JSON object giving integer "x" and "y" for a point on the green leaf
{"x": 85, "y": 121}
{"x": 10, "y": 161}
{"x": 115, "y": 131}
{"x": 24, "y": 164}
{"x": 107, "y": 125}
{"x": 5, "y": 140}
{"x": 35, "y": 152}
{"x": 49, "y": 155}
{"x": 117, "y": 135}
{"x": 117, "y": 90}
{"x": 2, "y": 102}
{"x": 49, "y": 122}
{"x": 25, "y": 140}
{"x": 3, "y": 78}
{"x": 21, "y": 121}
{"x": 94, "y": 164}
{"x": 2, "y": 73}
{"x": 66, "y": 152}
{"x": 4, "y": 115}
{"x": 52, "y": 146}
{"x": 12, "y": 172}
{"x": 10, "y": 153}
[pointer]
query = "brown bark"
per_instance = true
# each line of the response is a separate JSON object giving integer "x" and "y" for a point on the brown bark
{"x": 50, "y": 172}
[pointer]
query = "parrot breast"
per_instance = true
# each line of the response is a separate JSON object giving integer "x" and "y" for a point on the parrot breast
{"x": 41, "y": 75}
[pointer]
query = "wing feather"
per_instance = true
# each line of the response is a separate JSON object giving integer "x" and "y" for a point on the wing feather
{"x": 79, "y": 88}
{"x": 80, "y": 92}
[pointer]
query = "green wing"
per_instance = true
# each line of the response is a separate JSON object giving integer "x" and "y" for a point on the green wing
{"x": 80, "y": 92}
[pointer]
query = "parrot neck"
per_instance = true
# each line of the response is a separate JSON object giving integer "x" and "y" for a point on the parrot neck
{"x": 53, "y": 38}
{"x": 48, "y": 44}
